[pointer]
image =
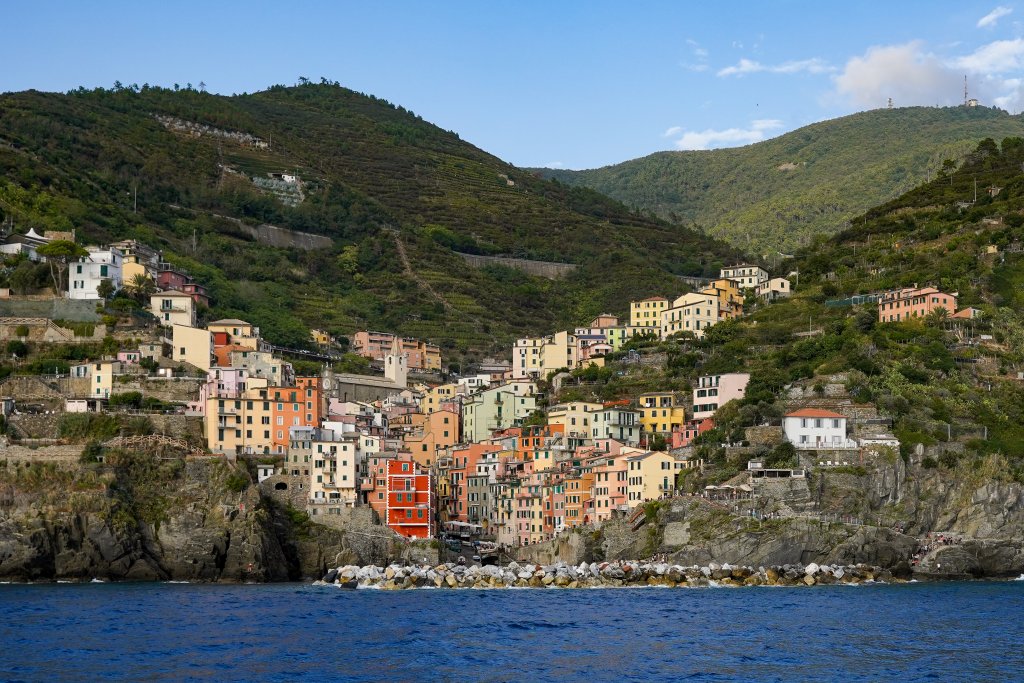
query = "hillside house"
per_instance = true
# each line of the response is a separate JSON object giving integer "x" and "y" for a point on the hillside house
{"x": 85, "y": 276}
{"x": 912, "y": 302}
{"x": 812, "y": 428}
{"x": 747, "y": 275}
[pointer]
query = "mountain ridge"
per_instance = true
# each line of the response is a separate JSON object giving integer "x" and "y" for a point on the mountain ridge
{"x": 778, "y": 193}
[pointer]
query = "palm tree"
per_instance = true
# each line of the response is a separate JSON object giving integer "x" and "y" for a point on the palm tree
{"x": 140, "y": 287}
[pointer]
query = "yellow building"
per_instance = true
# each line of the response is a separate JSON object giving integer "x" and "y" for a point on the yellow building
{"x": 434, "y": 397}
{"x": 646, "y": 313}
{"x": 173, "y": 308}
{"x": 320, "y": 337}
{"x": 650, "y": 476}
{"x": 239, "y": 332}
{"x": 240, "y": 424}
{"x": 617, "y": 336}
{"x": 690, "y": 313}
{"x": 526, "y": 357}
{"x": 729, "y": 295}
{"x": 558, "y": 351}
{"x": 574, "y": 416}
{"x": 192, "y": 346}
{"x": 660, "y": 413}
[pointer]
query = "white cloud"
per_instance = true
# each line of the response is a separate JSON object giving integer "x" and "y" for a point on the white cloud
{"x": 674, "y": 130}
{"x": 912, "y": 75}
{"x": 700, "y": 56}
{"x": 728, "y": 137}
{"x": 993, "y": 17}
{"x": 749, "y": 66}
{"x": 996, "y": 57}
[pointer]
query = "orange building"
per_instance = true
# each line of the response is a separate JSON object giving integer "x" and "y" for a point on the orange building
{"x": 410, "y": 500}
{"x": 464, "y": 465}
{"x": 298, "y": 406}
{"x": 578, "y": 499}
{"x": 436, "y": 432}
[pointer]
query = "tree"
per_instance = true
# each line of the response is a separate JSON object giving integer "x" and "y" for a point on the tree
{"x": 59, "y": 254}
{"x": 105, "y": 289}
{"x": 140, "y": 288}
{"x": 948, "y": 167}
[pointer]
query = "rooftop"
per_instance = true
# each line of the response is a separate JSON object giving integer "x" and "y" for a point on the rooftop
{"x": 814, "y": 412}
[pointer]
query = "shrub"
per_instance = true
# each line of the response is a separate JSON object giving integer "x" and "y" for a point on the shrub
{"x": 17, "y": 348}
{"x": 237, "y": 482}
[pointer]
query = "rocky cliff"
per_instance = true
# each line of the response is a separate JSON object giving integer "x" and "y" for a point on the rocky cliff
{"x": 145, "y": 517}
{"x": 912, "y": 520}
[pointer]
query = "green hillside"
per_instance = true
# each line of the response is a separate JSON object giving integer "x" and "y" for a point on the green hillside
{"x": 396, "y": 195}
{"x": 953, "y": 383}
{"x": 777, "y": 194}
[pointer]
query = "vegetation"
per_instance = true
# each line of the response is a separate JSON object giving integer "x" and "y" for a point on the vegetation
{"x": 396, "y": 196}
{"x": 780, "y": 193}
{"x": 941, "y": 379}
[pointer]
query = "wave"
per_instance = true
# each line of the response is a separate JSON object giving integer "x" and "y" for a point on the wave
{"x": 1020, "y": 578}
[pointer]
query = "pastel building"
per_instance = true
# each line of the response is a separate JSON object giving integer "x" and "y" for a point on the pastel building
{"x": 660, "y": 413}
{"x": 904, "y": 304}
{"x": 377, "y": 345}
{"x": 693, "y": 312}
{"x": 646, "y": 315}
{"x": 173, "y": 308}
{"x": 714, "y": 391}
{"x": 193, "y": 346}
{"x": 775, "y": 288}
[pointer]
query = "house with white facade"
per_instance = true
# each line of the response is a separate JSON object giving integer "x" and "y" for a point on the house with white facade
{"x": 746, "y": 275}
{"x": 813, "y": 428}
{"x": 616, "y": 422}
{"x": 85, "y": 276}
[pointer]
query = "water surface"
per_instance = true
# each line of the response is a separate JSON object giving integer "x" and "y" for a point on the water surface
{"x": 914, "y": 632}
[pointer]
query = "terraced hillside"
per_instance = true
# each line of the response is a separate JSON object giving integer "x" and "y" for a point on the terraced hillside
{"x": 397, "y": 196}
{"x": 780, "y": 193}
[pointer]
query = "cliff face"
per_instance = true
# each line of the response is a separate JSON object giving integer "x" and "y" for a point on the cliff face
{"x": 894, "y": 513}
{"x": 144, "y": 518}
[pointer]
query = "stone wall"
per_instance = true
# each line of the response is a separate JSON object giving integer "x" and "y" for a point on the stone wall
{"x": 765, "y": 436}
{"x": 27, "y": 426}
{"x": 64, "y": 454}
{"x": 76, "y": 310}
{"x": 548, "y": 269}
{"x": 177, "y": 389}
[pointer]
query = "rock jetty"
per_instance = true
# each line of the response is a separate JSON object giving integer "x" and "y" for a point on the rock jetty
{"x": 599, "y": 575}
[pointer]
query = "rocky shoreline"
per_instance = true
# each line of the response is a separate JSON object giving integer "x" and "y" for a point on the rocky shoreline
{"x": 601, "y": 575}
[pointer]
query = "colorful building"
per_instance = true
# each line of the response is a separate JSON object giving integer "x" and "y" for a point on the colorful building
{"x": 660, "y": 412}
{"x": 714, "y": 391}
{"x": 904, "y": 304}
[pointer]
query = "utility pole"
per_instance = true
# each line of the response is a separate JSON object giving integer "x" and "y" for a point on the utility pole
{"x": 135, "y": 197}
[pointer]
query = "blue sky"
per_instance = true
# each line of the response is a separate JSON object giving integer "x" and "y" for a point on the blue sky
{"x": 566, "y": 84}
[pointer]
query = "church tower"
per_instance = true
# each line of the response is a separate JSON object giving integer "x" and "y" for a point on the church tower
{"x": 396, "y": 364}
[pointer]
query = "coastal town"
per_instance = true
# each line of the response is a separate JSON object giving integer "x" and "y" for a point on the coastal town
{"x": 484, "y": 456}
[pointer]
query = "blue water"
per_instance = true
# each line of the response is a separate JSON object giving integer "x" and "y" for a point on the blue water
{"x": 915, "y": 632}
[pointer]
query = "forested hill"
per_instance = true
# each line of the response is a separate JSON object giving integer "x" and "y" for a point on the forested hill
{"x": 777, "y": 194}
{"x": 396, "y": 195}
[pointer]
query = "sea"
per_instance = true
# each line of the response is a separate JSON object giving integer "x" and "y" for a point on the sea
{"x": 299, "y": 632}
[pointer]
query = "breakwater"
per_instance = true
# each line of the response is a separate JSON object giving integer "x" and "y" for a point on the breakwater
{"x": 599, "y": 575}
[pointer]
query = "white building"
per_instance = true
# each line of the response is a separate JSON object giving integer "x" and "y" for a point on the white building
{"x": 747, "y": 275}
{"x": 173, "y": 308}
{"x": 812, "y": 428}
{"x": 621, "y": 424}
{"x": 86, "y": 275}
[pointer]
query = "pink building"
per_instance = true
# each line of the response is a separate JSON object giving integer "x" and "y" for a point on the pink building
{"x": 714, "y": 391}
{"x": 904, "y": 304}
{"x": 610, "y": 483}
{"x": 684, "y": 436}
{"x": 129, "y": 357}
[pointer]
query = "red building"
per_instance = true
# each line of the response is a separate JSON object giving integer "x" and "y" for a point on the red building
{"x": 410, "y": 499}
{"x": 169, "y": 277}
